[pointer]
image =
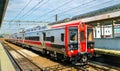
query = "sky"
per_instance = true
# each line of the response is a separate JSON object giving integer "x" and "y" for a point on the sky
{"x": 45, "y": 11}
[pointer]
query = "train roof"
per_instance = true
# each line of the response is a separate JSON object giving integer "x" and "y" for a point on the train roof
{"x": 48, "y": 29}
{"x": 37, "y": 28}
{"x": 61, "y": 21}
{"x": 67, "y": 24}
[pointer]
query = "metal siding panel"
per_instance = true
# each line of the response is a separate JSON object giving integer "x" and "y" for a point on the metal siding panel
{"x": 108, "y": 43}
{"x": 57, "y": 35}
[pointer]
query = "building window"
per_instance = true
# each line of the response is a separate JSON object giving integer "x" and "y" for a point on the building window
{"x": 98, "y": 31}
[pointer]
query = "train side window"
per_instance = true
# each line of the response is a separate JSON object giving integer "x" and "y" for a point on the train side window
{"x": 38, "y": 38}
{"x": 62, "y": 37}
{"x": 82, "y": 36}
{"x": 29, "y": 38}
{"x": 34, "y": 38}
{"x": 25, "y": 38}
{"x": 52, "y": 38}
{"x": 47, "y": 38}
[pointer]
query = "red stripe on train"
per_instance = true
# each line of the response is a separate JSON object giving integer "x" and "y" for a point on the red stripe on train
{"x": 48, "y": 44}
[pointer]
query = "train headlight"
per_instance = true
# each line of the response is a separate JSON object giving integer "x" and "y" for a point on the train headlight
{"x": 71, "y": 47}
{"x": 91, "y": 45}
{"x": 71, "y": 51}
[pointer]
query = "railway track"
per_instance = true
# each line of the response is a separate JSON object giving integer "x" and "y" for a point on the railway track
{"x": 45, "y": 64}
{"x": 21, "y": 61}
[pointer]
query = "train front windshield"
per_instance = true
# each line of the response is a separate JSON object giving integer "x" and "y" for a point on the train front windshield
{"x": 73, "y": 38}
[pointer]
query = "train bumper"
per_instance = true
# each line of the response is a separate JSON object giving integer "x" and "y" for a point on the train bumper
{"x": 80, "y": 59}
{"x": 90, "y": 55}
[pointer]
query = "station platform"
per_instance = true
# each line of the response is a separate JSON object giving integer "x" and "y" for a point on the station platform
{"x": 107, "y": 46}
{"x": 107, "y": 52}
{"x": 5, "y": 63}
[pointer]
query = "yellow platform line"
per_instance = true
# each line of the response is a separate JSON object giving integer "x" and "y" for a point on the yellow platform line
{"x": 107, "y": 52}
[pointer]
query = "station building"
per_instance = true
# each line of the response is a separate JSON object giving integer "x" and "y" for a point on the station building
{"x": 107, "y": 31}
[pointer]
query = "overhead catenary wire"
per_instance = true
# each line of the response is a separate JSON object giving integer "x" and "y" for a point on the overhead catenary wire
{"x": 32, "y": 8}
{"x": 80, "y": 6}
{"x": 74, "y": 7}
{"x": 37, "y": 8}
{"x": 71, "y": 9}
{"x": 23, "y": 8}
{"x": 21, "y": 11}
{"x": 27, "y": 11}
{"x": 55, "y": 9}
{"x": 88, "y": 7}
{"x": 93, "y": 6}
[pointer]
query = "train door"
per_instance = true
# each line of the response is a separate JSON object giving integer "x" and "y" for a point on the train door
{"x": 73, "y": 39}
{"x": 43, "y": 41}
{"x": 82, "y": 39}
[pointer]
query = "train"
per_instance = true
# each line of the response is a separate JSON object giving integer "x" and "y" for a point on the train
{"x": 72, "y": 41}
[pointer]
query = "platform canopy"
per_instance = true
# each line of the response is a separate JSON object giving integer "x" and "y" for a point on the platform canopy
{"x": 3, "y": 6}
{"x": 104, "y": 16}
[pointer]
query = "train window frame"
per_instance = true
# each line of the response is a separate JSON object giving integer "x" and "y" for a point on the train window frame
{"x": 62, "y": 36}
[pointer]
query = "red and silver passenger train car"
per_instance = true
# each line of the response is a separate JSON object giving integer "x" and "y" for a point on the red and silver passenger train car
{"x": 73, "y": 41}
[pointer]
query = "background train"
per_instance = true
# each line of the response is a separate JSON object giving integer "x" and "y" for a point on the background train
{"x": 73, "y": 41}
